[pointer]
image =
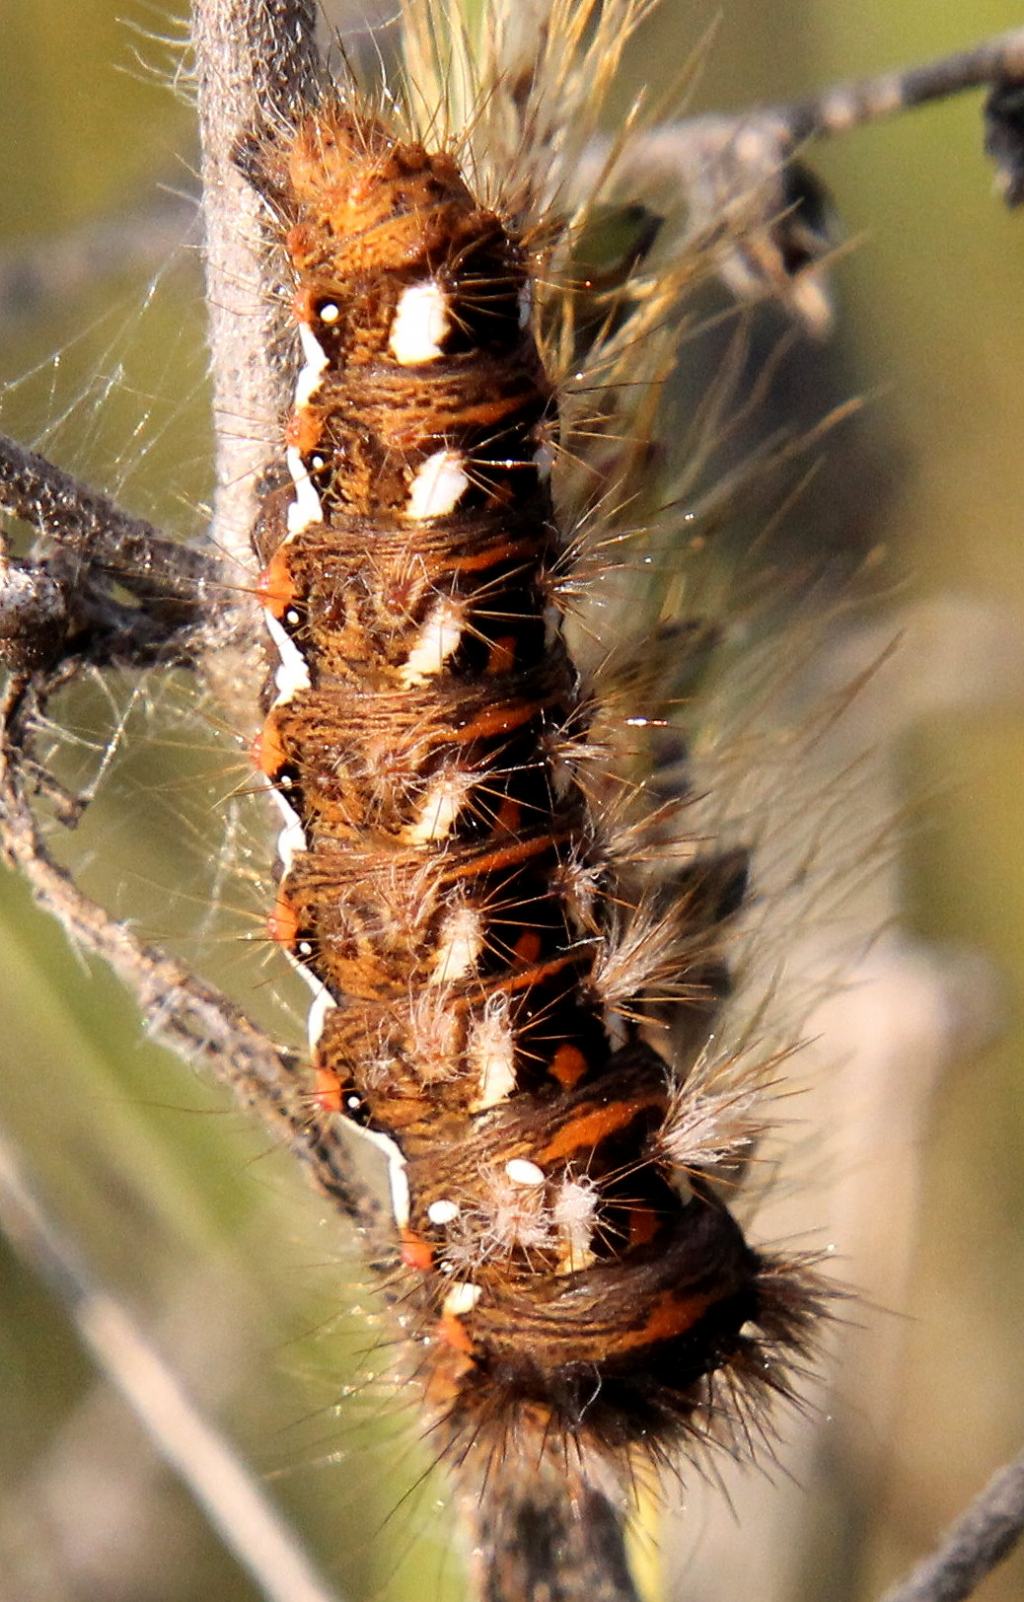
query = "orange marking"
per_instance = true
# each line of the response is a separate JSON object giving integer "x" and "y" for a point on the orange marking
{"x": 508, "y": 856}
{"x": 643, "y": 1225}
{"x": 416, "y": 1252}
{"x": 305, "y": 430}
{"x": 268, "y": 754}
{"x": 283, "y": 923}
{"x": 274, "y": 587}
{"x": 328, "y": 1091}
{"x": 669, "y": 1317}
{"x": 590, "y": 1128}
{"x": 527, "y": 947}
{"x": 502, "y": 656}
{"x": 453, "y": 1332}
{"x": 492, "y": 554}
{"x": 568, "y": 1065}
{"x": 497, "y": 720}
{"x": 509, "y": 817}
{"x": 533, "y": 976}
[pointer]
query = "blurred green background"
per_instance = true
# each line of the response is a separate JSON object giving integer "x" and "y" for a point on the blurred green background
{"x": 174, "y": 1198}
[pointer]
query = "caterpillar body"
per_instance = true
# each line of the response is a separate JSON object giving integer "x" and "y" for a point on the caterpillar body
{"x": 521, "y": 953}
{"x": 487, "y": 976}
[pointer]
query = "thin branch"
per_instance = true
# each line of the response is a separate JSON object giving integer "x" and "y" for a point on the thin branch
{"x": 199, "y": 1454}
{"x": 255, "y": 60}
{"x": 191, "y": 1016}
{"x": 748, "y": 194}
{"x": 90, "y": 524}
{"x": 973, "y": 1545}
{"x": 864, "y": 100}
{"x": 536, "y": 1535}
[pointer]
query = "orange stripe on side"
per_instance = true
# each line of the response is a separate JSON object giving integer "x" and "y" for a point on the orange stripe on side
{"x": 268, "y": 754}
{"x": 275, "y": 588}
{"x": 591, "y": 1128}
{"x": 669, "y": 1317}
{"x": 416, "y": 1252}
{"x": 282, "y": 923}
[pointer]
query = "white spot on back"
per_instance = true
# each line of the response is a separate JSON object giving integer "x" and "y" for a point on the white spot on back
{"x": 525, "y": 305}
{"x": 438, "y": 485}
{"x": 440, "y": 808}
{"x": 437, "y": 639}
{"x": 329, "y": 312}
{"x": 574, "y": 1212}
{"x": 522, "y": 1172}
{"x": 293, "y": 674}
{"x": 310, "y": 374}
{"x": 443, "y": 1212}
{"x": 462, "y": 940}
{"x": 420, "y": 325}
{"x": 491, "y": 1054}
{"x": 305, "y": 508}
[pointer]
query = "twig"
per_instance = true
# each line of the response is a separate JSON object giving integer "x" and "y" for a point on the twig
{"x": 561, "y": 1541}
{"x": 254, "y": 60}
{"x": 747, "y": 191}
{"x": 190, "y": 1015}
{"x": 974, "y": 1544}
{"x": 864, "y": 100}
{"x": 198, "y": 1453}
{"x": 85, "y": 521}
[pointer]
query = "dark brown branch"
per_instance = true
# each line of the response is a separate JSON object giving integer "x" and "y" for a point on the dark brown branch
{"x": 974, "y": 1544}
{"x": 535, "y": 1537}
{"x": 92, "y": 527}
{"x": 212, "y": 1471}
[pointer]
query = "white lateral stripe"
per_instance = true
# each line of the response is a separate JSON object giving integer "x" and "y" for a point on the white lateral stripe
{"x": 462, "y": 940}
{"x": 438, "y": 485}
{"x": 291, "y": 842}
{"x": 305, "y": 508}
{"x": 322, "y": 1005}
{"x": 420, "y": 325}
{"x": 308, "y": 381}
{"x": 293, "y": 674}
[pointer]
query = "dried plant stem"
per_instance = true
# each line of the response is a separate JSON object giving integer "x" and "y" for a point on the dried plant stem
{"x": 560, "y": 1542}
{"x": 90, "y": 525}
{"x": 254, "y": 59}
{"x": 191, "y": 1016}
{"x": 865, "y": 100}
{"x": 198, "y": 1453}
{"x": 973, "y": 1545}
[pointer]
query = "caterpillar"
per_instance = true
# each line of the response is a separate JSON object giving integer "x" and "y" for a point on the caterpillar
{"x": 711, "y": 991}
{"x": 481, "y": 965}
